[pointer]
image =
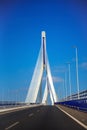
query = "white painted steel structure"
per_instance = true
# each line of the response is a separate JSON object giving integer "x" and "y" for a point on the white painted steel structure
{"x": 41, "y": 66}
{"x": 77, "y": 75}
{"x": 70, "y": 80}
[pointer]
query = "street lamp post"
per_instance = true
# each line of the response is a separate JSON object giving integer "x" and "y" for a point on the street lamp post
{"x": 63, "y": 88}
{"x": 77, "y": 77}
{"x": 69, "y": 80}
{"x": 66, "y": 85}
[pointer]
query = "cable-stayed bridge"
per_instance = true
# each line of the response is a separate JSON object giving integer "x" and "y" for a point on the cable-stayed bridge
{"x": 61, "y": 114}
{"x": 36, "y": 82}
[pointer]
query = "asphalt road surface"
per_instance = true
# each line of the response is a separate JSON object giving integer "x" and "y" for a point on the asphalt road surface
{"x": 38, "y": 118}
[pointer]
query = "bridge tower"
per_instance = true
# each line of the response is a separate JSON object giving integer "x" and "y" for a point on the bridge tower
{"x": 36, "y": 82}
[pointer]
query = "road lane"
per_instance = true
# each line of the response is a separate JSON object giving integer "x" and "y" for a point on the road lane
{"x": 10, "y": 118}
{"x": 43, "y": 117}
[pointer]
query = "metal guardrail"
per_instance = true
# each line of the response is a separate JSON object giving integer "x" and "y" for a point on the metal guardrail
{"x": 82, "y": 95}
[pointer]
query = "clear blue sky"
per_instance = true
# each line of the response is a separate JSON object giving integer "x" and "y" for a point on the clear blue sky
{"x": 21, "y": 23}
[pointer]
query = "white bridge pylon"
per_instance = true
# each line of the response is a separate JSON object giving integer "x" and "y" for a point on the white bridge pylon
{"x": 36, "y": 82}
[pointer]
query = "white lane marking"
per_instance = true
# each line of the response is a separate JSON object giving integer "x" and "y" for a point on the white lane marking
{"x": 12, "y": 125}
{"x": 5, "y": 111}
{"x": 31, "y": 114}
{"x": 79, "y": 122}
{"x": 38, "y": 110}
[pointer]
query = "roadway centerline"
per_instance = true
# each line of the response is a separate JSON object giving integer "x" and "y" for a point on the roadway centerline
{"x": 14, "y": 124}
{"x": 31, "y": 114}
{"x": 79, "y": 122}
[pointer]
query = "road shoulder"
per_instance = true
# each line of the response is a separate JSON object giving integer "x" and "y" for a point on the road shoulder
{"x": 79, "y": 116}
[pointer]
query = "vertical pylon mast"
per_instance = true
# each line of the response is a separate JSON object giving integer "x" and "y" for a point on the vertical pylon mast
{"x": 41, "y": 66}
{"x": 44, "y": 48}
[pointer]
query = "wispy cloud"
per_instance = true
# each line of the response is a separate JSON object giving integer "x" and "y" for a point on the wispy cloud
{"x": 57, "y": 79}
{"x": 59, "y": 69}
{"x": 84, "y": 65}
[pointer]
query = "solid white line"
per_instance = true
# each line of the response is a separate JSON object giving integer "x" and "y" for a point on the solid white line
{"x": 5, "y": 111}
{"x": 31, "y": 114}
{"x": 79, "y": 122}
{"x": 12, "y": 125}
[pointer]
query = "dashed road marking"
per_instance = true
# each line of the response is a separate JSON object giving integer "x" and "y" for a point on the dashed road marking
{"x": 14, "y": 124}
{"x": 31, "y": 114}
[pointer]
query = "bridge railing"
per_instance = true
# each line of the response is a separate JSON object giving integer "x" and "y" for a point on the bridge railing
{"x": 74, "y": 102}
{"x": 79, "y": 104}
{"x": 9, "y": 104}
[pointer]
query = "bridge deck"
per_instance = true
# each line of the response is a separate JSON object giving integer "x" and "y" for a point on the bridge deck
{"x": 42, "y": 117}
